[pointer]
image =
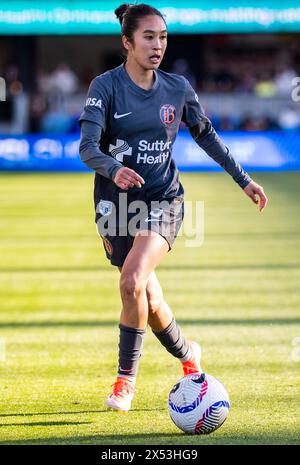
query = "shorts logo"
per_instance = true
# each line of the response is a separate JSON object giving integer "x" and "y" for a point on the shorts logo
{"x": 120, "y": 149}
{"x": 107, "y": 245}
{"x": 104, "y": 207}
{"x": 154, "y": 215}
{"x": 167, "y": 113}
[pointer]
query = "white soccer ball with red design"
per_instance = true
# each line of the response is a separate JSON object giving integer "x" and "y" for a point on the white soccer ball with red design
{"x": 198, "y": 404}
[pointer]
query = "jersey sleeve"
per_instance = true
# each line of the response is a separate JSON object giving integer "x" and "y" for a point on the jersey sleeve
{"x": 93, "y": 124}
{"x": 90, "y": 153}
{"x": 97, "y": 101}
{"x": 192, "y": 110}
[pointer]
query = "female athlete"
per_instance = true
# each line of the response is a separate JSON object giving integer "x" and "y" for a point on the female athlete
{"x": 128, "y": 127}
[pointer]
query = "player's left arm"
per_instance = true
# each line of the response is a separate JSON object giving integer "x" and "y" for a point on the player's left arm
{"x": 206, "y": 137}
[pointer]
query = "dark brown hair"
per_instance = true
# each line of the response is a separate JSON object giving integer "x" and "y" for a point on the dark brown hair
{"x": 129, "y": 14}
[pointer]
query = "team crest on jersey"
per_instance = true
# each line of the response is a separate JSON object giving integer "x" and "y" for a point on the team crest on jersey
{"x": 104, "y": 207}
{"x": 107, "y": 245}
{"x": 167, "y": 113}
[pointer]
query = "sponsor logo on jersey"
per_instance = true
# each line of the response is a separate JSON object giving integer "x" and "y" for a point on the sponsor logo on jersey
{"x": 120, "y": 149}
{"x": 167, "y": 113}
{"x": 145, "y": 147}
{"x": 93, "y": 102}
{"x": 145, "y": 151}
{"x": 150, "y": 159}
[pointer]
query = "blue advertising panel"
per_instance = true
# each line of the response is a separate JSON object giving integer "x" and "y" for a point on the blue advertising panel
{"x": 254, "y": 150}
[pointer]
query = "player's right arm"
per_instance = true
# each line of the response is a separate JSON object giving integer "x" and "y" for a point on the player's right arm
{"x": 93, "y": 123}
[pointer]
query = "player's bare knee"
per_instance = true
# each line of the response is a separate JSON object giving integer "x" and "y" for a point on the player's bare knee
{"x": 154, "y": 305}
{"x": 155, "y": 300}
{"x": 131, "y": 287}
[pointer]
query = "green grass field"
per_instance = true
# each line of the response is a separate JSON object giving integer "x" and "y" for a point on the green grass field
{"x": 238, "y": 295}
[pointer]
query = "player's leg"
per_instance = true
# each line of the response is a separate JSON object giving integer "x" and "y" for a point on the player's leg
{"x": 165, "y": 328}
{"x": 167, "y": 331}
{"x": 145, "y": 254}
{"x": 159, "y": 313}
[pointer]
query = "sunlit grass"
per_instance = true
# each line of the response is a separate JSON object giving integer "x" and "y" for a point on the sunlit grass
{"x": 238, "y": 295}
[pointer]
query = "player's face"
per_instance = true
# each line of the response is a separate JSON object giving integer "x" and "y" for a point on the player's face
{"x": 150, "y": 42}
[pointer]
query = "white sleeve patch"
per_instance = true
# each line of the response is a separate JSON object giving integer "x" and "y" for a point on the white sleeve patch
{"x": 93, "y": 102}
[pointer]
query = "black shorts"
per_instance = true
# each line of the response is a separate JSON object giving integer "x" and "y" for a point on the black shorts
{"x": 119, "y": 222}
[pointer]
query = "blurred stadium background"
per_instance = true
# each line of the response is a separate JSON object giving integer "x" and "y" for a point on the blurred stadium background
{"x": 242, "y": 60}
{"x": 238, "y": 293}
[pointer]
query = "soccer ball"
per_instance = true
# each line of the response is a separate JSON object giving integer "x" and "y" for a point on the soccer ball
{"x": 198, "y": 404}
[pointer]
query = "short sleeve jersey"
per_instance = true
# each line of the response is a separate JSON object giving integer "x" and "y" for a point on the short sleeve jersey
{"x": 139, "y": 127}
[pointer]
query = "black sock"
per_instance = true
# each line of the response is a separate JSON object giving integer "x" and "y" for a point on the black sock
{"x": 174, "y": 341}
{"x": 130, "y": 350}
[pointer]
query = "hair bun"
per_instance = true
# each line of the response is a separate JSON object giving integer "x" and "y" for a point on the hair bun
{"x": 121, "y": 10}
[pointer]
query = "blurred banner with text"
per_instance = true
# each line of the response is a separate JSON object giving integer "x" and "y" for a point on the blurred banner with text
{"x": 255, "y": 151}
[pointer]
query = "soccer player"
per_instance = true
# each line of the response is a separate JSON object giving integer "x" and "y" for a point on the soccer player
{"x": 128, "y": 127}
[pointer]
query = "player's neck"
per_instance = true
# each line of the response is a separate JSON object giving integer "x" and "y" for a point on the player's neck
{"x": 143, "y": 78}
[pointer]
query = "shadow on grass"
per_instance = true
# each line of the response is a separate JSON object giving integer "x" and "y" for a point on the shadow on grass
{"x": 240, "y": 234}
{"x": 112, "y": 323}
{"x": 182, "y": 267}
{"x": 25, "y": 414}
{"x": 46, "y": 423}
{"x": 165, "y": 439}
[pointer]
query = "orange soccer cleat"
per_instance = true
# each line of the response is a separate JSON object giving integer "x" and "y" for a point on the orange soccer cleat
{"x": 193, "y": 364}
{"x": 122, "y": 394}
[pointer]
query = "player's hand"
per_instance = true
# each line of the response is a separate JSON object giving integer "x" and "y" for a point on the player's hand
{"x": 126, "y": 178}
{"x": 256, "y": 193}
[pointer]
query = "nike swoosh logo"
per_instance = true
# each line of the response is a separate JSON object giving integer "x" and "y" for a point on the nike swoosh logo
{"x": 148, "y": 220}
{"x": 116, "y": 116}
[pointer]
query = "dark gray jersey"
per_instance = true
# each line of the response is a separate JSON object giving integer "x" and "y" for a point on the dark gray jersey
{"x": 139, "y": 127}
